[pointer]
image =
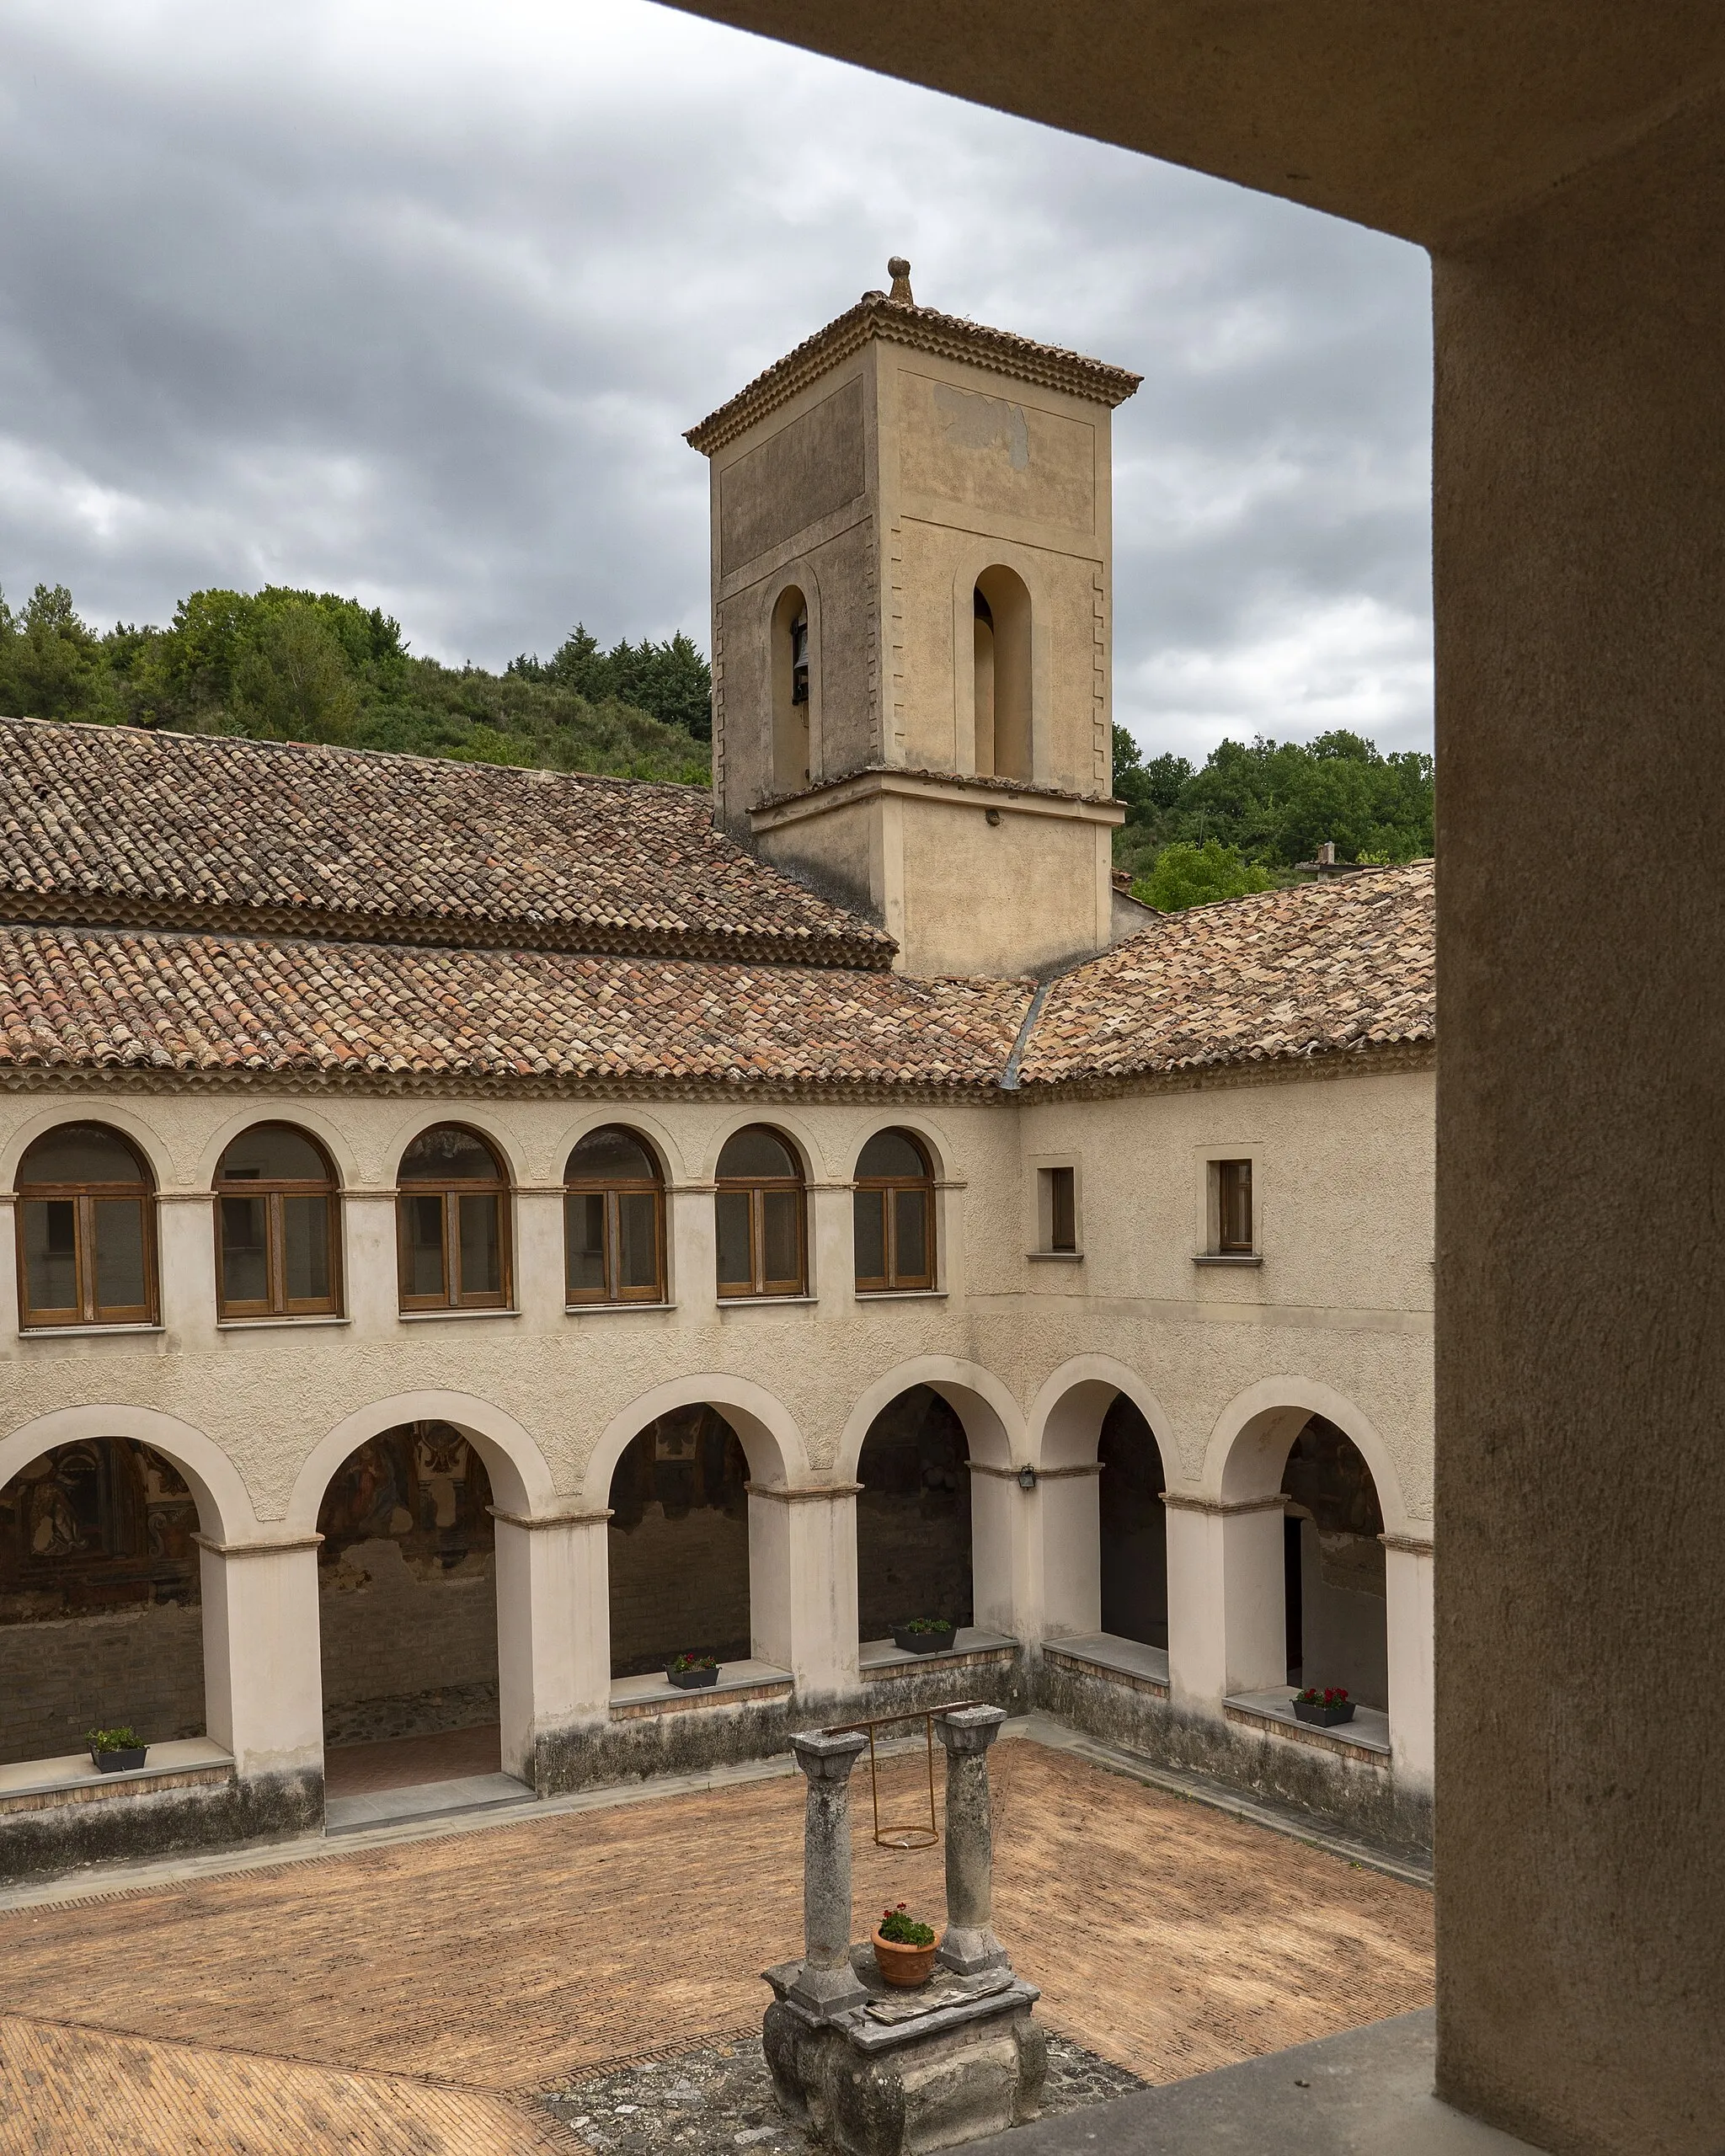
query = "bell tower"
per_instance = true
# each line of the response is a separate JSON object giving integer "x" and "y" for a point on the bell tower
{"x": 912, "y": 557}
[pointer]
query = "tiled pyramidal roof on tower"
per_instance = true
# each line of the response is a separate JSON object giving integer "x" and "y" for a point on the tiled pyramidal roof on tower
{"x": 112, "y": 823}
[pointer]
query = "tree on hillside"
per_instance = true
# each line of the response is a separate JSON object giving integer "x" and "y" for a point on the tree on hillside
{"x": 1198, "y": 876}
{"x": 671, "y": 680}
{"x": 289, "y": 665}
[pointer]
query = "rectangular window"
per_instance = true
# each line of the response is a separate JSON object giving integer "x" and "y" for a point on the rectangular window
{"x": 638, "y": 1244}
{"x": 1060, "y": 1209}
{"x": 781, "y": 1242}
{"x": 51, "y": 1260}
{"x": 245, "y": 1253}
{"x": 736, "y": 1271}
{"x": 584, "y": 1243}
{"x": 1234, "y": 1226}
{"x": 481, "y": 1237}
{"x": 122, "y": 1289}
{"x": 910, "y": 1240}
{"x": 869, "y": 1213}
{"x": 422, "y": 1252}
{"x": 306, "y": 1247}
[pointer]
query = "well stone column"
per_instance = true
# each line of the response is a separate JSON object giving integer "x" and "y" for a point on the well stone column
{"x": 825, "y": 1984}
{"x": 969, "y": 1945}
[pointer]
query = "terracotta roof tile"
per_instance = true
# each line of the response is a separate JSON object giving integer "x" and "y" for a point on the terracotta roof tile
{"x": 1323, "y": 969}
{"x": 77, "y": 999}
{"x": 115, "y": 823}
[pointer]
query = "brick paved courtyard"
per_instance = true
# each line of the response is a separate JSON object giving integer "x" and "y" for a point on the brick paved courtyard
{"x": 413, "y": 1997}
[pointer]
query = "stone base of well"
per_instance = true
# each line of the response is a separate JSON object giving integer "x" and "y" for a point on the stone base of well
{"x": 905, "y": 2072}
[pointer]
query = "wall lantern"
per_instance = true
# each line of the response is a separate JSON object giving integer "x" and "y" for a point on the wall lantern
{"x": 1027, "y": 1478}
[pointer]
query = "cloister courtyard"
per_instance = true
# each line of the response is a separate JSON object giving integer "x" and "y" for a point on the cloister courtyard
{"x": 422, "y": 1989}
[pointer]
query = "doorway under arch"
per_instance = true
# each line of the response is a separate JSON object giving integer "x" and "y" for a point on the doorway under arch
{"x": 678, "y": 1543}
{"x": 101, "y": 1617}
{"x": 1132, "y": 1527}
{"x": 407, "y": 1606}
{"x": 1333, "y": 1567}
{"x": 914, "y": 1543}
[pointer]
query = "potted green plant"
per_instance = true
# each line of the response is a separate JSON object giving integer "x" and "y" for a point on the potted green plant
{"x": 1326, "y": 1708}
{"x": 690, "y": 1672}
{"x": 904, "y": 1949}
{"x": 925, "y": 1635}
{"x": 115, "y": 1751}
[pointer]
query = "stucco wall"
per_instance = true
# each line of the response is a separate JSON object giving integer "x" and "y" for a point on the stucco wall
{"x": 1341, "y": 1306}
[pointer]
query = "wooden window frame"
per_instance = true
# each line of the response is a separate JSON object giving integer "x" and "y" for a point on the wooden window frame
{"x": 450, "y": 1191}
{"x": 275, "y": 1191}
{"x": 612, "y": 1189}
{"x": 84, "y": 1196}
{"x": 896, "y": 1280}
{"x": 756, "y": 1189}
{"x": 1227, "y": 1173}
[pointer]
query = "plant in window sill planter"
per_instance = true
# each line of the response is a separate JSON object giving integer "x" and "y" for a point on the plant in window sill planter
{"x": 904, "y": 1949}
{"x": 1326, "y": 1708}
{"x": 690, "y": 1672}
{"x": 115, "y": 1751}
{"x": 925, "y": 1635}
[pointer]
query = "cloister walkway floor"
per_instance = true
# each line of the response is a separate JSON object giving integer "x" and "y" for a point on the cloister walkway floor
{"x": 411, "y": 1996}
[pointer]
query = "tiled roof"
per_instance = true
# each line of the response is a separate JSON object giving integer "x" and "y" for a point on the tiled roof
{"x": 112, "y": 823}
{"x": 1324, "y": 969}
{"x": 77, "y": 1000}
{"x": 926, "y": 329}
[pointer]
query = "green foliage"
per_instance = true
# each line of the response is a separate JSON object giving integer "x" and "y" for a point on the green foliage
{"x": 899, "y": 1928}
{"x": 114, "y": 1740}
{"x": 1272, "y": 805}
{"x": 1198, "y": 876}
{"x": 286, "y": 666}
{"x": 670, "y": 680}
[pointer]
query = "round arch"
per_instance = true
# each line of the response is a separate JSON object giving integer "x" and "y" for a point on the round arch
{"x": 224, "y": 1511}
{"x": 1248, "y": 1447}
{"x": 815, "y": 1166}
{"x": 149, "y": 1141}
{"x": 994, "y": 1426}
{"x": 937, "y": 1148}
{"x": 1065, "y": 1419}
{"x": 295, "y": 1114}
{"x": 770, "y": 1438}
{"x": 612, "y": 1115}
{"x": 465, "y": 1115}
{"x": 521, "y": 1480}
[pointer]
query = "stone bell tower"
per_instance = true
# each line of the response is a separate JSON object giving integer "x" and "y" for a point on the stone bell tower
{"x": 912, "y": 553}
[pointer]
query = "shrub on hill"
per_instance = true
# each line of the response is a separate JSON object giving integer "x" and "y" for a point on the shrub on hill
{"x": 286, "y": 666}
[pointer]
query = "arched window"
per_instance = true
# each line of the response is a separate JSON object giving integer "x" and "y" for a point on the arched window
{"x": 613, "y": 1221}
{"x": 452, "y": 1224}
{"x": 86, "y": 1231}
{"x": 277, "y": 1246}
{"x": 1001, "y": 608}
{"x": 893, "y": 1215}
{"x": 790, "y": 692}
{"x": 761, "y": 1236}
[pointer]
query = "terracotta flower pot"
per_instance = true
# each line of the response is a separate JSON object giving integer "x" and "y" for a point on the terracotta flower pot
{"x": 907, "y": 1966}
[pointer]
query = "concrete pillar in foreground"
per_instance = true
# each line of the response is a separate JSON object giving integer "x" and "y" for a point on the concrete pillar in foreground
{"x": 262, "y": 1680}
{"x": 825, "y": 1984}
{"x": 969, "y": 1945}
{"x": 553, "y": 1643}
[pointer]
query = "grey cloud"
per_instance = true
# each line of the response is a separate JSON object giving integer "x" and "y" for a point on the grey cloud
{"x": 415, "y": 301}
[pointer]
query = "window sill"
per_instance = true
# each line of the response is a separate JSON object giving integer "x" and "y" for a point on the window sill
{"x": 440, "y": 1317}
{"x": 81, "y": 1331}
{"x": 760, "y": 1302}
{"x": 611, "y": 1309}
{"x": 1227, "y": 1257}
{"x": 1056, "y": 1257}
{"x": 901, "y": 1295}
{"x": 274, "y": 1324}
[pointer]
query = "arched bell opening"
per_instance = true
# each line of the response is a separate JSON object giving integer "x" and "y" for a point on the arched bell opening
{"x": 678, "y": 1545}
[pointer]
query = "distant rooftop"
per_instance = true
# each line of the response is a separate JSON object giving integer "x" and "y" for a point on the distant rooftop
{"x": 119, "y": 826}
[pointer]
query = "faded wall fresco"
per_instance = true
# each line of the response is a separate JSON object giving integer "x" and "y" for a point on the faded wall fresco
{"x": 407, "y": 1599}
{"x": 99, "y": 1617}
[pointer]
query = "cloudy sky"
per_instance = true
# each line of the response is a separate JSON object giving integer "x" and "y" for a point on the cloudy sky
{"x": 413, "y": 300}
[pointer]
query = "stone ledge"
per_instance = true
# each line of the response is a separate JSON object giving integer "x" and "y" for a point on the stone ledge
{"x": 1366, "y": 1738}
{"x": 43, "y": 1784}
{"x": 1114, "y": 1660}
{"x": 635, "y": 1698}
{"x": 879, "y": 1660}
